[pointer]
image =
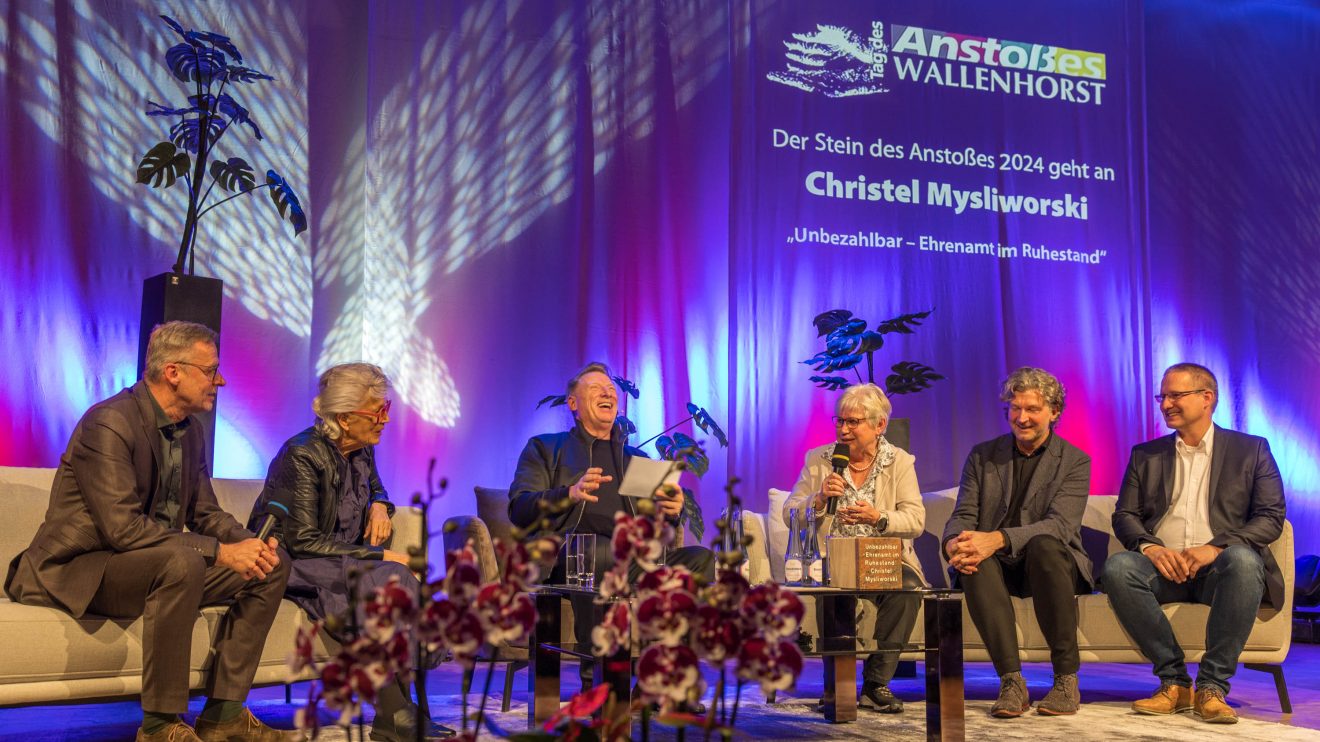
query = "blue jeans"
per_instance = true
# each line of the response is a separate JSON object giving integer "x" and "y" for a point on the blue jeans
{"x": 1232, "y": 586}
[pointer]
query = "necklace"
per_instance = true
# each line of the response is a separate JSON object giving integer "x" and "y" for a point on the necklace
{"x": 860, "y": 469}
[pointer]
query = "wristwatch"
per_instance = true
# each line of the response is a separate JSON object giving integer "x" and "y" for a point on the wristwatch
{"x": 882, "y": 523}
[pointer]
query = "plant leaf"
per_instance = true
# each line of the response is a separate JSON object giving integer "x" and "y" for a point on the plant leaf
{"x": 195, "y": 63}
{"x": 219, "y": 41}
{"x": 175, "y": 25}
{"x": 870, "y": 342}
{"x": 708, "y": 425}
{"x": 910, "y": 377}
{"x": 236, "y": 73}
{"x": 554, "y": 400}
{"x": 692, "y": 515}
{"x": 664, "y": 445}
{"x": 833, "y": 383}
{"x": 626, "y": 426}
{"x": 226, "y": 106}
{"x": 903, "y": 323}
{"x": 234, "y": 175}
{"x": 162, "y": 165}
{"x": 161, "y": 110}
{"x": 693, "y": 410}
{"x": 627, "y": 387}
{"x": 286, "y": 201}
{"x": 830, "y": 364}
{"x": 185, "y": 133}
{"x": 827, "y": 322}
{"x": 841, "y": 344}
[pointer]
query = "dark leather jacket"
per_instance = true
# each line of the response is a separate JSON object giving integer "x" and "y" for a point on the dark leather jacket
{"x": 549, "y": 465}
{"x": 305, "y": 475}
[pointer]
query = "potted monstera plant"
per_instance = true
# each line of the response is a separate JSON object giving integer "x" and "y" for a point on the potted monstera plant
{"x": 208, "y": 63}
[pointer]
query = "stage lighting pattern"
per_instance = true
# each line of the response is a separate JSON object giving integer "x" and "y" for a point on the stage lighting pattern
{"x": 464, "y": 154}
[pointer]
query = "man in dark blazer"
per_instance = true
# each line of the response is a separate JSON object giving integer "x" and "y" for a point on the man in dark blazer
{"x": 1016, "y": 530}
{"x": 1198, "y": 511}
{"x": 112, "y": 543}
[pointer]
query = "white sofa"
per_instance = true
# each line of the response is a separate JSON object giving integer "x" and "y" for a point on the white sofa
{"x": 51, "y": 657}
{"x": 1101, "y": 637}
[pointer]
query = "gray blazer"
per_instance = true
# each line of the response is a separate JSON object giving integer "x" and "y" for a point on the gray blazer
{"x": 1055, "y": 501}
{"x": 100, "y": 502}
{"x": 1246, "y": 497}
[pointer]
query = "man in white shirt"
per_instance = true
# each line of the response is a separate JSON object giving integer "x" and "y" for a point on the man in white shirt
{"x": 1197, "y": 511}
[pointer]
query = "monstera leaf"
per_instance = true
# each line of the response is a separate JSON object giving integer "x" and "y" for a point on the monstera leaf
{"x": 692, "y": 516}
{"x": 827, "y": 322}
{"x": 163, "y": 165}
{"x": 627, "y": 387}
{"x": 245, "y": 74}
{"x": 833, "y": 383}
{"x": 626, "y": 427}
{"x": 286, "y": 201}
{"x": 827, "y": 363}
{"x": 234, "y": 174}
{"x": 219, "y": 41}
{"x": 903, "y": 323}
{"x": 185, "y": 133}
{"x": 703, "y": 420}
{"x": 554, "y": 400}
{"x": 686, "y": 449}
{"x": 195, "y": 63}
{"x": 226, "y": 106}
{"x": 910, "y": 377}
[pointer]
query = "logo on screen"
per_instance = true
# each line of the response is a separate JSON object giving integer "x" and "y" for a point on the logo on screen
{"x": 838, "y": 62}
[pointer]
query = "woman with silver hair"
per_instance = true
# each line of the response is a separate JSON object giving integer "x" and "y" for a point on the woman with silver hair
{"x": 339, "y": 517}
{"x": 877, "y": 496}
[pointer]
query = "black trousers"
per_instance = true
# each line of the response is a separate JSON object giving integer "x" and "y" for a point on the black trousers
{"x": 1047, "y": 573}
{"x": 895, "y": 615}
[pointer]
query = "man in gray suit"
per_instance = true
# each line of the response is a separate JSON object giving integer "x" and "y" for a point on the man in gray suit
{"x": 1197, "y": 511}
{"x": 1016, "y": 530}
{"x": 112, "y": 544}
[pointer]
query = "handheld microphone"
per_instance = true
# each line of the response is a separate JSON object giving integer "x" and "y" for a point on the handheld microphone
{"x": 839, "y": 460}
{"x": 275, "y": 511}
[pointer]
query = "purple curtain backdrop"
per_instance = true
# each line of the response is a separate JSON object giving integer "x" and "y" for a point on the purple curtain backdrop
{"x": 500, "y": 191}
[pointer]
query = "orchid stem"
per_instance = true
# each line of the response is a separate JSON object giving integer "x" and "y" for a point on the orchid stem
{"x": 485, "y": 693}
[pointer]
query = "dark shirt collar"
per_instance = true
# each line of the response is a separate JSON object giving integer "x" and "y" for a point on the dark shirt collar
{"x": 1017, "y": 452}
{"x": 164, "y": 424}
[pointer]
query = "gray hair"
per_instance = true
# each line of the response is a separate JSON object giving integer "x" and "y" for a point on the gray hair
{"x": 868, "y": 398}
{"x": 1031, "y": 379}
{"x": 170, "y": 341}
{"x": 344, "y": 388}
{"x": 592, "y": 367}
{"x": 1200, "y": 375}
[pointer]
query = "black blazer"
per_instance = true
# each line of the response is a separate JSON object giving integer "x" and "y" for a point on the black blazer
{"x": 1246, "y": 497}
{"x": 1055, "y": 501}
{"x": 549, "y": 465}
{"x": 101, "y": 503}
{"x": 305, "y": 475}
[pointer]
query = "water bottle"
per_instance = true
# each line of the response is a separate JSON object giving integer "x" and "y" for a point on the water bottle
{"x": 814, "y": 565}
{"x": 793, "y": 554}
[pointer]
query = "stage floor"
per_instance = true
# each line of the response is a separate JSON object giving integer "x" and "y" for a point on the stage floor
{"x": 1108, "y": 686}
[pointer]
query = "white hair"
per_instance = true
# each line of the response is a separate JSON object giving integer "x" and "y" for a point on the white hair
{"x": 345, "y": 388}
{"x": 868, "y": 398}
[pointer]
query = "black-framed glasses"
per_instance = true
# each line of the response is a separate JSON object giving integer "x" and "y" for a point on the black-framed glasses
{"x": 1175, "y": 396}
{"x": 376, "y": 416}
{"x": 210, "y": 371}
{"x": 848, "y": 422}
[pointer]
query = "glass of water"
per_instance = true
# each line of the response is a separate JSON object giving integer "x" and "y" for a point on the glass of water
{"x": 580, "y": 563}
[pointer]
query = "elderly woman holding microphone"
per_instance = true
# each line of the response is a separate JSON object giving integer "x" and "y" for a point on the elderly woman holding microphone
{"x": 877, "y": 495}
{"x": 339, "y": 518}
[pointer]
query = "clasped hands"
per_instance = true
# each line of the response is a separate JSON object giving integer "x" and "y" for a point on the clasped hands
{"x": 250, "y": 558}
{"x": 859, "y": 513}
{"x": 1181, "y": 566}
{"x": 668, "y": 497}
{"x": 969, "y": 548}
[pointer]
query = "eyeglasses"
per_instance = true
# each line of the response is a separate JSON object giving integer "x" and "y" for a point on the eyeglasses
{"x": 848, "y": 422}
{"x": 377, "y": 416}
{"x": 210, "y": 371}
{"x": 1175, "y": 396}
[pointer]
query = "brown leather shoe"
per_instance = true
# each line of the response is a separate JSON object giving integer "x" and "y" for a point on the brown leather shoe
{"x": 1013, "y": 700}
{"x": 1211, "y": 707}
{"x": 244, "y": 728}
{"x": 176, "y": 732}
{"x": 1171, "y": 698}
